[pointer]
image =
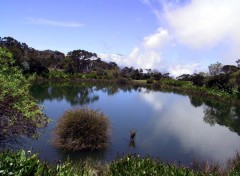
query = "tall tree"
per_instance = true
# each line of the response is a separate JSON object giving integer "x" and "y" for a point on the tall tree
{"x": 238, "y": 62}
{"x": 215, "y": 69}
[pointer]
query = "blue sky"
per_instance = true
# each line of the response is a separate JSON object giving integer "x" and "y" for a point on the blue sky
{"x": 176, "y": 36}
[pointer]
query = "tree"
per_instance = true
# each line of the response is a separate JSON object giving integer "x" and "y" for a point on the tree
{"x": 238, "y": 62}
{"x": 215, "y": 69}
{"x": 220, "y": 81}
{"x": 229, "y": 69}
{"x": 19, "y": 113}
{"x": 184, "y": 77}
{"x": 197, "y": 79}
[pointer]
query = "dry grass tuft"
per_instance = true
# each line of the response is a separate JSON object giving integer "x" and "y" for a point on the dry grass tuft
{"x": 82, "y": 129}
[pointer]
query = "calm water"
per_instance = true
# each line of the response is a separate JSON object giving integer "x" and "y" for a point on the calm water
{"x": 170, "y": 126}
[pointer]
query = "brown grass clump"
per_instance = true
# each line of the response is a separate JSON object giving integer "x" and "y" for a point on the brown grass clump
{"x": 82, "y": 129}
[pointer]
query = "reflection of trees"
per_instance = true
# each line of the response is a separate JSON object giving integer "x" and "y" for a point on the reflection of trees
{"x": 223, "y": 115}
{"x": 217, "y": 113}
{"x": 110, "y": 90}
{"x": 12, "y": 128}
{"x": 195, "y": 101}
{"x": 75, "y": 94}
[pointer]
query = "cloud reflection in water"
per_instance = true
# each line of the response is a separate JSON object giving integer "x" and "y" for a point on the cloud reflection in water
{"x": 175, "y": 118}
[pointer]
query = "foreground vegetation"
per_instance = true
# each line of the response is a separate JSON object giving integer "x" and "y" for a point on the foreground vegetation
{"x": 23, "y": 163}
{"x": 82, "y": 129}
{"x": 19, "y": 113}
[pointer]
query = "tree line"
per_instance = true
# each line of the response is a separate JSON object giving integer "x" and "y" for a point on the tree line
{"x": 84, "y": 64}
{"x": 76, "y": 63}
{"x": 223, "y": 77}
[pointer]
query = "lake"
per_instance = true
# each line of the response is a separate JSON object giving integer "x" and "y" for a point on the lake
{"x": 169, "y": 126}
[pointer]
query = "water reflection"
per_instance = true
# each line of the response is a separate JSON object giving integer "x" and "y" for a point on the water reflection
{"x": 176, "y": 119}
{"x": 74, "y": 94}
{"x": 132, "y": 143}
{"x": 170, "y": 126}
{"x": 217, "y": 113}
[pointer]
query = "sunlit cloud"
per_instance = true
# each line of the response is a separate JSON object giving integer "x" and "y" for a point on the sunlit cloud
{"x": 206, "y": 26}
{"x": 157, "y": 40}
{"x": 46, "y": 22}
{"x": 177, "y": 70}
{"x": 204, "y": 23}
{"x": 147, "y": 55}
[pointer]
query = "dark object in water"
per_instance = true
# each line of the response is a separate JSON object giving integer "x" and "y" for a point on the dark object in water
{"x": 132, "y": 134}
{"x": 132, "y": 143}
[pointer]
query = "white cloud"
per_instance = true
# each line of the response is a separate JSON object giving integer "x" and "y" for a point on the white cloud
{"x": 112, "y": 58}
{"x": 149, "y": 55}
{"x": 156, "y": 40}
{"x": 205, "y": 23}
{"x": 137, "y": 58}
{"x": 177, "y": 70}
{"x": 46, "y": 22}
{"x": 145, "y": 56}
{"x": 145, "y": 59}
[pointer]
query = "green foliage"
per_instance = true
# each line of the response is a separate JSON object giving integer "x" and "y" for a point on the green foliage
{"x": 219, "y": 81}
{"x": 197, "y": 80}
{"x": 19, "y": 163}
{"x": 184, "y": 77}
{"x": 23, "y": 163}
{"x": 134, "y": 165}
{"x": 15, "y": 99}
{"x": 57, "y": 74}
{"x": 175, "y": 83}
{"x": 82, "y": 129}
{"x": 230, "y": 69}
{"x": 150, "y": 81}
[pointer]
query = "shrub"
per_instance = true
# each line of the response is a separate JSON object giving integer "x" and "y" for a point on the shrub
{"x": 220, "y": 81}
{"x": 82, "y": 129}
{"x": 150, "y": 80}
{"x": 197, "y": 80}
{"x": 19, "y": 112}
{"x": 174, "y": 83}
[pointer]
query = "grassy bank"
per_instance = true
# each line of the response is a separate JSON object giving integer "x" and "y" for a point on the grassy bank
{"x": 187, "y": 88}
{"x": 23, "y": 163}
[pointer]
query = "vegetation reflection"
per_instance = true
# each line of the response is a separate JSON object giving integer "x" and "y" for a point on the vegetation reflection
{"x": 218, "y": 113}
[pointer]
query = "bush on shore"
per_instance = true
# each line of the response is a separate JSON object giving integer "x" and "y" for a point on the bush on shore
{"x": 82, "y": 129}
{"x": 19, "y": 112}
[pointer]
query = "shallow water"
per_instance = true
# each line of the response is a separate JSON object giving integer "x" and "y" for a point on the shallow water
{"x": 169, "y": 126}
